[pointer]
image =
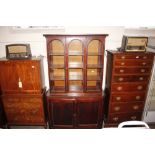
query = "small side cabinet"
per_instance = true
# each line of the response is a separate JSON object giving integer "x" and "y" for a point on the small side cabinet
{"x": 75, "y": 112}
{"x": 23, "y": 91}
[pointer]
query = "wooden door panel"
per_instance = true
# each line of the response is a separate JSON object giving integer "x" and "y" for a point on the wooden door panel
{"x": 88, "y": 112}
{"x": 61, "y": 113}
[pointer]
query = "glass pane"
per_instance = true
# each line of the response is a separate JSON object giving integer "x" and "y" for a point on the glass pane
{"x": 93, "y": 74}
{"x": 75, "y": 86}
{"x": 75, "y": 61}
{"x": 57, "y": 74}
{"x": 94, "y": 47}
{"x": 58, "y": 86}
{"x": 58, "y": 61}
{"x": 94, "y": 62}
{"x": 75, "y": 47}
{"x": 56, "y": 47}
{"x": 75, "y": 74}
{"x": 59, "y": 83}
{"x": 93, "y": 85}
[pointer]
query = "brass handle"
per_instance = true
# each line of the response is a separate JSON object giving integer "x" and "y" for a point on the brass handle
{"x": 135, "y": 107}
{"x": 142, "y": 70}
{"x": 144, "y": 63}
{"x": 120, "y": 79}
{"x": 33, "y": 66}
{"x": 117, "y": 108}
{"x": 115, "y": 118}
{"x": 139, "y": 87}
{"x": 122, "y": 63}
{"x": 137, "y": 57}
{"x": 118, "y": 98}
{"x": 123, "y": 57}
{"x": 141, "y": 78}
{"x": 121, "y": 71}
{"x": 133, "y": 117}
{"x": 137, "y": 97}
{"x": 119, "y": 88}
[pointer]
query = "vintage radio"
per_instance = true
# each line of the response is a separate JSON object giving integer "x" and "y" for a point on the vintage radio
{"x": 18, "y": 51}
{"x": 134, "y": 43}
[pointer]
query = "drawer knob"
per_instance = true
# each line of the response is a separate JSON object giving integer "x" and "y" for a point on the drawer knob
{"x": 133, "y": 117}
{"x": 144, "y": 63}
{"x": 137, "y": 97}
{"x": 118, "y": 98}
{"x": 123, "y": 57}
{"x": 115, "y": 118}
{"x": 119, "y": 88}
{"x": 135, "y": 107}
{"x": 121, "y": 71}
{"x": 144, "y": 57}
{"x": 120, "y": 79}
{"x": 137, "y": 57}
{"x": 142, "y": 70}
{"x": 139, "y": 87}
{"x": 141, "y": 78}
{"x": 117, "y": 108}
{"x": 122, "y": 63}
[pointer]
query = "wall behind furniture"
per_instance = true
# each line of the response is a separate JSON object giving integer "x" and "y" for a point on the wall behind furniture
{"x": 10, "y": 35}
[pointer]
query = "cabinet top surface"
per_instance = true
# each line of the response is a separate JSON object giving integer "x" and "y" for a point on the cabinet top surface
{"x": 123, "y": 52}
{"x": 48, "y": 35}
{"x": 31, "y": 59}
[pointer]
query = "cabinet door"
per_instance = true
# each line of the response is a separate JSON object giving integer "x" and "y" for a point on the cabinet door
{"x": 61, "y": 113}
{"x": 89, "y": 113}
{"x": 29, "y": 75}
{"x": 8, "y": 76}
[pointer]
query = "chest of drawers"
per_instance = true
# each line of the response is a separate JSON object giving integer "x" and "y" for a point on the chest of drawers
{"x": 127, "y": 79}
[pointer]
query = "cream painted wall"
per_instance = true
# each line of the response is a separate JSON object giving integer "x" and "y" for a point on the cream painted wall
{"x": 9, "y": 35}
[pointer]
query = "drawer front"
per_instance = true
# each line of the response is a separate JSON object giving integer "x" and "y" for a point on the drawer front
{"x": 24, "y": 110}
{"x": 122, "y": 87}
{"x": 118, "y": 108}
{"x": 130, "y": 78}
{"x": 132, "y": 97}
{"x": 124, "y": 70}
{"x": 117, "y": 118}
{"x": 133, "y": 63}
{"x": 134, "y": 56}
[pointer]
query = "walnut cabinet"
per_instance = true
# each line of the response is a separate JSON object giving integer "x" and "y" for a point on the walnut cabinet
{"x": 23, "y": 91}
{"x": 75, "y": 68}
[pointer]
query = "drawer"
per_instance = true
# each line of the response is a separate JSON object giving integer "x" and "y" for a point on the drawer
{"x": 120, "y": 97}
{"x": 123, "y": 87}
{"x": 24, "y": 109}
{"x": 128, "y": 107}
{"x": 134, "y": 56}
{"x": 125, "y": 70}
{"x": 24, "y": 116}
{"x": 22, "y": 103}
{"x": 130, "y": 78}
{"x": 133, "y": 62}
{"x": 117, "y": 118}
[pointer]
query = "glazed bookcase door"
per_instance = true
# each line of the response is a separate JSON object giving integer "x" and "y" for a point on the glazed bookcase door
{"x": 75, "y": 64}
{"x": 56, "y": 52}
{"x": 94, "y": 65}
